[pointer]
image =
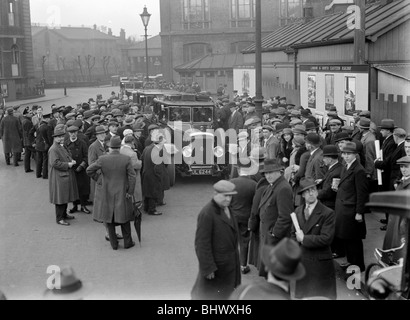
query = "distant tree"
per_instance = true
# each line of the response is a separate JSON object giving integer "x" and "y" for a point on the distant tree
{"x": 90, "y": 61}
{"x": 78, "y": 62}
{"x": 105, "y": 64}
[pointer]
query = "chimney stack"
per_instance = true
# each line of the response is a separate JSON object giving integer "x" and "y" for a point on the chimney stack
{"x": 122, "y": 34}
{"x": 109, "y": 31}
{"x": 95, "y": 27}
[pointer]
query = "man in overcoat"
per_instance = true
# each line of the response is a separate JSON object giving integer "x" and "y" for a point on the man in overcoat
{"x": 241, "y": 207}
{"x": 29, "y": 141}
{"x": 217, "y": 247}
{"x": 12, "y": 135}
{"x": 275, "y": 207}
{"x": 352, "y": 195}
{"x": 43, "y": 144}
{"x": 317, "y": 229}
{"x": 152, "y": 177}
{"x": 62, "y": 182}
{"x": 79, "y": 152}
{"x": 113, "y": 196}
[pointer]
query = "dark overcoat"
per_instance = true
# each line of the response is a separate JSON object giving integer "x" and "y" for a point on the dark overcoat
{"x": 117, "y": 179}
{"x": 319, "y": 231}
{"x": 275, "y": 208}
{"x": 397, "y": 228}
{"x": 79, "y": 153}
{"x": 351, "y": 198}
{"x": 95, "y": 151}
{"x": 254, "y": 222}
{"x": 152, "y": 175}
{"x": 241, "y": 203}
{"x": 388, "y": 148}
{"x": 217, "y": 250}
{"x": 389, "y": 164}
{"x": 326, "y": 194}
{"x": 11, "y": 134}
{"x": 62, "y": 181}
{"x": 28, "y": 136}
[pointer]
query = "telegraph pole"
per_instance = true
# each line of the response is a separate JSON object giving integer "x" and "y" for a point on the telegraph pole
{"x": 258, "y": 58}
{"x": 360, "y": 32}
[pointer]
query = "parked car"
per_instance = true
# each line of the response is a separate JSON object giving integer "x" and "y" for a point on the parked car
{"x": 199, "y": 151}
{"x": 390, "y": 277}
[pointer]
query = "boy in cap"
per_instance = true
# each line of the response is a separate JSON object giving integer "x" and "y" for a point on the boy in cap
{"x": 217, "y": 236}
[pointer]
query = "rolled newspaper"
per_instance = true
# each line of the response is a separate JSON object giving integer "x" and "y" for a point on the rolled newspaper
{"x": 295, "y": 221}
{"x": 379, "y": 155}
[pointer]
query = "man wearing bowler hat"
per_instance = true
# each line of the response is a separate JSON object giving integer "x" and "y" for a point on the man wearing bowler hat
{"x": 113, "y": 197}
{"x": 216, "y": 247}
{"x": 317, "y": 229}
{"x": 283, "y": 265}
{"x": 352, "y": 195}
{"x": 275, "y": 207}
{"x": 62, "y": 180}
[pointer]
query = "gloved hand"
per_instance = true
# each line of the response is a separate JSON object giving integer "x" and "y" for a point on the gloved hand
{"x": 79, "y": 168}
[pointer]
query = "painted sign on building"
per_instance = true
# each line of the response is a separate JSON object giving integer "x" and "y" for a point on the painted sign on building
{"x": 345, "y": 87}
{"x": 244, "y": 80}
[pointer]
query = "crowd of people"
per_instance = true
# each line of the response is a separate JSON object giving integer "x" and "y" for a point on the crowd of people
{"x": 71, "y": 142}
{"x": 301, "y": 208}
{"x": 320, "y": 175}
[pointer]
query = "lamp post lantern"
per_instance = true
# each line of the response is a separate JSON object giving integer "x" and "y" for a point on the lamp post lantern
{"x": 145, "y": 16}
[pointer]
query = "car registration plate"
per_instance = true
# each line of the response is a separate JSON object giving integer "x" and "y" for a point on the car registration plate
{"x": 202, "y": 172}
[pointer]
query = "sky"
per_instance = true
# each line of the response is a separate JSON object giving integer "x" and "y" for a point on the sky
{"x": 114, "y": 14}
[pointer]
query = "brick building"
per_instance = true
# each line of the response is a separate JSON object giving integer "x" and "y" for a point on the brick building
{"x": 16, "y": 55}
{"x": 77, "y": 54}
{"x": 217, "y": 31}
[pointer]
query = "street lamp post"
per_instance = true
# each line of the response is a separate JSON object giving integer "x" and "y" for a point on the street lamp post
{"x": 145, "y": 16}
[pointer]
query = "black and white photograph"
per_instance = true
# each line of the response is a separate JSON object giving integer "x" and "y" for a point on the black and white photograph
{"x": 173, "y": 152}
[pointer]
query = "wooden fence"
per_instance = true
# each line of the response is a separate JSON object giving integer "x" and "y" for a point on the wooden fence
{"x": 273, "y": 89}
{"x": 383, "y": 108}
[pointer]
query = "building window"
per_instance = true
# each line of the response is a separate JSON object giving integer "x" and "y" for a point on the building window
{"x": 196, "y": 50}
{"x": 243, "y": 13}
{"x": 196, "y": 14}
{"x": 291, "y": 10}
{"x": 15, "y": 62}
{"x": 11, "y": 13}
{"x": 238, "y": 47}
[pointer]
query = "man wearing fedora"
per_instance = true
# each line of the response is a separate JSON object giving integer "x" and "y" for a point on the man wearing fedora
{"x": 216, "y": 246}
{"x": 71, "y": 287}
{"x": 317, "y": 229}
{"x": 152, "y": 175}
{"x": 275, "y": 206}
{"x": 62, "y": 181}
{"x": 241, "y": 206}
{"x": 283, "y": 266}
{"x": 116, "y": 180}
{"x": 388, "y": 146}
{"x": 79, "y": 152}
{"x": 315, "y": 167}
{"x": 44, "y": 141}
{"x": 127, "y": 124}
{"x": 352, "y": 195}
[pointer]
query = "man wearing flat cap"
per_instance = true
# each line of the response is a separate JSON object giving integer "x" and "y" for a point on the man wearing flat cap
{"x": 275, "y": 207}
{"x": 369, "y": 151}
{"x": 283, "y": 266}
{"x": 90, "y": 133}
{"x": 216, "y": 247}
{"x": 235, "y": 120}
